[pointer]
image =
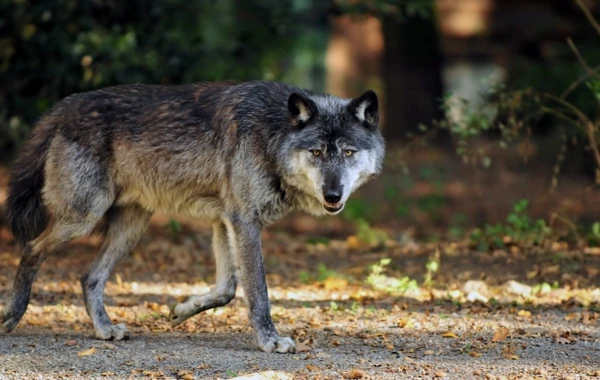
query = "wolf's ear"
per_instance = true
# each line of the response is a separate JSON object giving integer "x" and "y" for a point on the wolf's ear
{"x": 366, "y": 109}
{"x": 301, "y": 109}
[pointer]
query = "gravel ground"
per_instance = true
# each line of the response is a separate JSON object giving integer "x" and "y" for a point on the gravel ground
{"x": 461, "y": 327}
{"x": 35, "y": 353}
{"x": 361, "y": 344}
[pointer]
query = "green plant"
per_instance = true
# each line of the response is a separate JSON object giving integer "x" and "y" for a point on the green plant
{"x": 522, "y": 227}
{"x": 369, "y": 235}
{"x": 431, "y": 203}
{"x": 354, "y": 307}
{"x": 323, "y": 273}
{"x": 378, "y": 280}
{"x": 457, "y": 228}
{"x": 318, "y": 240}
{"x": 593, "y": 236}
{"x": 305, "y": 277}
{"x": 544, "y": 287}
{"x": 432, "y": 266}
{"x": 519, "y": 227}
{"x": 466, "y": 348}
{"x": 174, "y": 228}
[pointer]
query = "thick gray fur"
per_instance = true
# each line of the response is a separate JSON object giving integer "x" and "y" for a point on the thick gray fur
{"x": 240, "y": 154}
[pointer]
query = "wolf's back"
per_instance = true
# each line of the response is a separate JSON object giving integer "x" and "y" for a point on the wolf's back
{"x": 25, "y": 213}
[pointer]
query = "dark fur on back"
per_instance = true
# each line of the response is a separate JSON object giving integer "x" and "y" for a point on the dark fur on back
{"x": 25, "y": 213}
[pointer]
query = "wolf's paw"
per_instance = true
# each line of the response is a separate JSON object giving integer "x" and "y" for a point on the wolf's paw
{"x": 181, "y": 312}
{"x": 282, "y": 345}
{"x": 8, "y": 321}
{"x": 112, "y": 332}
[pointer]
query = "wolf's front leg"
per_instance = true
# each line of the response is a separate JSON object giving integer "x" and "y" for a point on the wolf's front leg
{"x": 252, "y": 277}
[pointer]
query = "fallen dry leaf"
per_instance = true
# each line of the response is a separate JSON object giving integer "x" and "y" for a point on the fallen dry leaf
{"x": 572, "y": 317}
{"x": 303, "y": 347}
{"x": 532, "y": 274}
{"x": 440, "y": 374}
{"x": 334, "y": 283}
{"x": 508, "y": 352}
{"x": 585, "y": 318}
{"x": 524, "y": 313}
{"x": 152, "y": 374}
{"x": 475, "y": 354}
{"x": 449, "y": 334}
{"x": 353, "y": 242}
{"x": 405, "y": 322}
{"x": 89, "y": 352}
{"x": 154, "y": 306}
{"x": 353, "y": 374}
{"x": 70, "y": 342}
{"x": 500, "y": 334}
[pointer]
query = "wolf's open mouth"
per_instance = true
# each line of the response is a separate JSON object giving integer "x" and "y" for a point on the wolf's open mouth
{"x": 335, "y": 208}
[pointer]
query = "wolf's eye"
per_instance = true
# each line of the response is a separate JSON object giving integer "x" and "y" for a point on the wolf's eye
{"x": 348, "y": 153}
{"x": 316, "y": 152}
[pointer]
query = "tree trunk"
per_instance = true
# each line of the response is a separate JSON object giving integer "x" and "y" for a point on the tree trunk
{"x": 412, "y": 65}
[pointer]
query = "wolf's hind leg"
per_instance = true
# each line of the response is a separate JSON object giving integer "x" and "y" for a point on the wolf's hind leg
{"x": 223, "y": 291}
{"x": 125, "y": 227}
{"x": 59, "y": 232}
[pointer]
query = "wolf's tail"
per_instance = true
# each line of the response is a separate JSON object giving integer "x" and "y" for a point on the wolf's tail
{"x": 25, "y": 213}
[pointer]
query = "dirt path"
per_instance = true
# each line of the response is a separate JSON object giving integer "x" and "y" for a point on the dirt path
{"x": 321, "y": 297}
{"x": 371, "y": 347}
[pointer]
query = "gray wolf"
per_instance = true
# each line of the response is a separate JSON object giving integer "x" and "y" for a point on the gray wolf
{"x": 240, "y": 154}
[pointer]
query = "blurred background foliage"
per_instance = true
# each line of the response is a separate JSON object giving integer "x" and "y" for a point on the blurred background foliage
{"x": 51, "y": 49}
{"x": 509, "y": 86}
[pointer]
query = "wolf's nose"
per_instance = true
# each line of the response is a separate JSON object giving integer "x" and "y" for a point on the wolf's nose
{"x": 333, "y": 197}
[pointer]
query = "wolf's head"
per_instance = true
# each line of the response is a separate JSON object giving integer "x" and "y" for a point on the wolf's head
{"x": 334, "y": 146}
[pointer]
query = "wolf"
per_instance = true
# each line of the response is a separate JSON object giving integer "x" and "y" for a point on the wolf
{"x": 241, "y": 154}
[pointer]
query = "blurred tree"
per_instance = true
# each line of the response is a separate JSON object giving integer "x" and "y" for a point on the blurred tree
{"x": 411, "y": 63}
{"x": 412, "y": 70}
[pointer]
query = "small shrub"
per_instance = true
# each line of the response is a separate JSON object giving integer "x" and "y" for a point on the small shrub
{"x": 519, "y": 229}
{"x": 378, "y": 280}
